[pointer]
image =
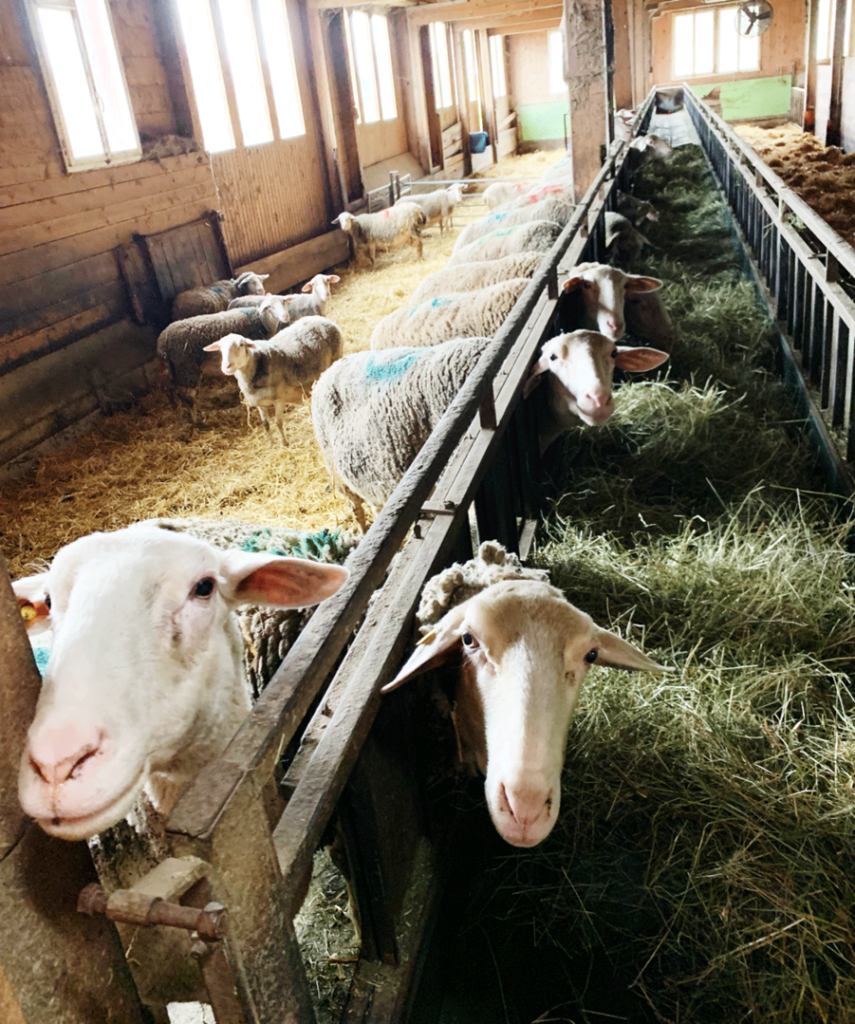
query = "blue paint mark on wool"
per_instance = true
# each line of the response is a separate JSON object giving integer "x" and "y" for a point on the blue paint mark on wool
{"x": 383, "y": 369}
{"x": 41, "y": 652}
{"x": 440, "y": 301}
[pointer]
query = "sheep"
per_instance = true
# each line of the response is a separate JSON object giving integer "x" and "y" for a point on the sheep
{"x": 623, "y": 125}
{"x": 388, "y": 229}
{"x": 635, "y": 210}
{"x": 467, "y": 277}
{"x": 580, "y": 366}
{"x": 181, "y": 345}
{"x": 438, "y": 205}
{"x": 536, "y": 236}
{"x": 467, "y": 315}
{"x": 551, "y": 209}
{"x": 373, "y": 411}
{"x": 214, "y": 298}
{"x": 275, "y": 373}
{"x": 560, "y": 171}
{"x": 525, "y": 653}
{"x": 139, "y": 700}
{"x": 501, "y": 192}
{"x": 623, "y": 241}
{"x": 645, "y": 149}
{"x": 595, "y": 296}
{"x": 299, "y": 305}
{"x": 536, "y": 194}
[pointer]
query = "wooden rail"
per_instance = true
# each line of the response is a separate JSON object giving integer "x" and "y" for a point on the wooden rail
{"x": 256, "y": 832}
{"x": 807, "y": 274}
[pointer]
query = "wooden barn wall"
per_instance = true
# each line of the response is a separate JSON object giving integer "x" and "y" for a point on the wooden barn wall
{"x": 782, "y": 46}
{"x": 540, "y": 113}
{"x": 67, "y": 345}
{"x": 275, "y": 195}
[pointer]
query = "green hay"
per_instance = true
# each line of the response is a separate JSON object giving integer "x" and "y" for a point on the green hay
{"x": 703, "y": 861}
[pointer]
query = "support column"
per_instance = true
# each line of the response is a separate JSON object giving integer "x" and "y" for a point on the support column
{"x": 587, "y": 77}
{"x": 622, "y": 80}
{"x": 832, "y": 134}
{"x": 809, "y": 120}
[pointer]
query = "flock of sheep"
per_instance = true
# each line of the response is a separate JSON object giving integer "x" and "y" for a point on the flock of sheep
{"x": 87, "y": 758}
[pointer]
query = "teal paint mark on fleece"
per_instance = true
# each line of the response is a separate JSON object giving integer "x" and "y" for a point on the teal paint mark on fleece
{"x": 382, "y": 369}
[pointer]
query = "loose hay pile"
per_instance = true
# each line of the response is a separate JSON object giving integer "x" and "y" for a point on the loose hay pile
{"x": 702, "y": 869}
{"x": 149, "y": 463}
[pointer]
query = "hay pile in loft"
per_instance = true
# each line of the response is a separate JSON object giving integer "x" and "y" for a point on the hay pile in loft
{"x": 149, "y": 462}
{"x": 702, "y": 869}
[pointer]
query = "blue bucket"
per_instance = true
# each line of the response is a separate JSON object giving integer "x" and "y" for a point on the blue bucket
{"x": 477, "y": 142}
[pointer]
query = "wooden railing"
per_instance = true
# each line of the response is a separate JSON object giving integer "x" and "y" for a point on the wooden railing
{"x": 807, "y": 273}
{"x": 253, "y": 833}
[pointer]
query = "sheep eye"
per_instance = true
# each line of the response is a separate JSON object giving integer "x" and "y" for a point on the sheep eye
{"x": 591, "y": 656}
{"x": 553, "y": 357}
{"x": 614, "y": 354}
{"x": 47, "y": 601}
{"x": 586, "y": 284}
{"x": 204, "y": 588}
{"x": 469, "y": 641}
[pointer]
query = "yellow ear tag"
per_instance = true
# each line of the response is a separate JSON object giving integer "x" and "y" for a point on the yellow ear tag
{"x": 28, "y": 612}
{"x": 426, "y": 639}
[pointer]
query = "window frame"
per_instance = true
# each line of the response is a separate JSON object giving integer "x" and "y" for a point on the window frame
{"x": 716, "y": 72}
{"x": 108, "y": 158}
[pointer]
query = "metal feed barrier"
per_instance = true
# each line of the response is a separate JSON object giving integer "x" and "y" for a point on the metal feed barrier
{"x": 806, "y": 273}
{"x": 245, "y": 837}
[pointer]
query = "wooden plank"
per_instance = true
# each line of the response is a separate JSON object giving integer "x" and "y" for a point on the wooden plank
{"x": 461, "y": 13}
{"x": 15, "y": 348}
{"x": 300, "y": 262}
{"x": 107, "y": 295}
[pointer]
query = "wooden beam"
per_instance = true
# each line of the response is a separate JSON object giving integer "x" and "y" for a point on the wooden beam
{"x": 622, "y": 81}
{"x": 587, "y": 70}
{"x": 518, "y": 28}
{"x": 812, "y": 37}
{"x": 478, "y": 9}
{"x": 832, "y": 132}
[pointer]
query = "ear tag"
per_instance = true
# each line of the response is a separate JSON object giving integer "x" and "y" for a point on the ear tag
{"x": 427, "y": 638}
{"x": 28, "y": 611}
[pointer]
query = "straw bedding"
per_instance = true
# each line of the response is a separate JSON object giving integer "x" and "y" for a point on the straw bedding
{"x": 702, "y": 867}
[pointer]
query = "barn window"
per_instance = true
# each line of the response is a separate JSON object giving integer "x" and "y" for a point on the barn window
{"x": 252, "y": 80}
{"x": 441, "y": 65}
{"x": 371, "y": 67}
{"x": 497, "y": 66}
{"x": 707, "y": 43}
{"x": 555, "y": 62}
{"x": 470, "y": 69}
{"x": 85, "y": 82}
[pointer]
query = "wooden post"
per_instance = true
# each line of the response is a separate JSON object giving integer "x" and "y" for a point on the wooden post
{"x": 586, "y": 72}
{"x": 434, "y": 129}
{"x": 461, "y": 90}
{"x": 622, "y": 78}
{"x": 809, "y": 119}
{"x": 485, "y": 85}
{"x": 833, "y": 133}
{"x": 343, "y": 107}
{"x": 55, "y": 964}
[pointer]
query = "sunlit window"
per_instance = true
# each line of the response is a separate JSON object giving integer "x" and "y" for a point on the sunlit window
{"x": 441, "y": 65}
{"x": 85, "y": 82}
{"x": 241, "y": 34}
{"x": 707, "y": 43}
{"x": 555, "y": 59}
{"x": 497, "y": 66}
{"x": 471, "y": 70}
{"x": 371, "y": 67}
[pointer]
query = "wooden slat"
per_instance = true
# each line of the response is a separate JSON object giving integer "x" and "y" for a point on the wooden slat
{"x": 302, "y": 261}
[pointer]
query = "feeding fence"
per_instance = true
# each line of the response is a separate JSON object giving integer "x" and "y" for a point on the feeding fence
{"x": 244, "y": 835}
{"x": 806, "y": 273}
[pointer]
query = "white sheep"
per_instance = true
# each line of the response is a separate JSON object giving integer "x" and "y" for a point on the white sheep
{"x": 645, "y": 149}
{"x": 468, "y": 277}
{"x": 562, "y": 170}
{"x": 501, "y": 192}
{"x": 299, "y": 305}
{"x": 596, "y": 296}
{"x": 579, "y": 368}
{"x": 624, "y": 241}
{"x": 536, "y": 236}
{"x": 278, "y": 372}
{"x": 181, "y": 345}
{"x": 465, "y": 315}
{"x": 525, "y": 653}
{"x": 373, "y": 411}
{"x": 145, "y": 683}
{"x": 438, "y": 205}
{"x": 537, "y": 193}
{"x": 388, "y": 229}
{"x": 549, "y": 208}
{"x": 214, "y": 298}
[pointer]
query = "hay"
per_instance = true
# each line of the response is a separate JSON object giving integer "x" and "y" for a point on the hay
{"x": 702, "y": 868}
{"x": 149, "y": 463}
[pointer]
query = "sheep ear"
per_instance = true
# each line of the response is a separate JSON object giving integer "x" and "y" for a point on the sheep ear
{"x": 31, "y": 592}
{"x": 433, "y": 648}
{"x": 617, "y": 653}
{"x": 333, "y": 278}
{"x": 280, "y": 582}
{"x": 638, "y": 359}
{"x": 307, "y": 287}
{"x": 642, "y": 284}
{"x": 262, "y": 277}
{"x": 215, "y": 346}
{"x": 572, "y": 283}
{"x": 534, "y": 376}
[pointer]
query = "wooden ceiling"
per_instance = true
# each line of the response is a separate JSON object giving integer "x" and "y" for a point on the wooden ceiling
{"x": 499, "y": 17}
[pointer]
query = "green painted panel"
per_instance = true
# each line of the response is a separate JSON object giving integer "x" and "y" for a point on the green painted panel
{"x": 756, "y": 97}
{"x": 542, "y": 120}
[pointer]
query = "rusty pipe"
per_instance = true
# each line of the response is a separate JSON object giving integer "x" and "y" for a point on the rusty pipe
{"x": 138, "y": 908}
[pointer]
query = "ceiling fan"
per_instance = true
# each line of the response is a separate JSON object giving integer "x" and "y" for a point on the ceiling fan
{"x": 753, "y": 17}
